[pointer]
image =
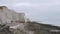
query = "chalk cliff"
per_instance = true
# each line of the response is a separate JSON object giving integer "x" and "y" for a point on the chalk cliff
{"x": 8, "y": 15}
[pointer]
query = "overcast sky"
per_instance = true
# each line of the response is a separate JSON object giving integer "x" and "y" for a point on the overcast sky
{"x": 47, "y": 11}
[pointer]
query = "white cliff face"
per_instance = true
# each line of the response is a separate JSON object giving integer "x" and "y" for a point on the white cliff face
{"x": 7, "y": 15}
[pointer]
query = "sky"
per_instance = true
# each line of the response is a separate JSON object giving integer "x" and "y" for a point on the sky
{"x": 47, "y": 11}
